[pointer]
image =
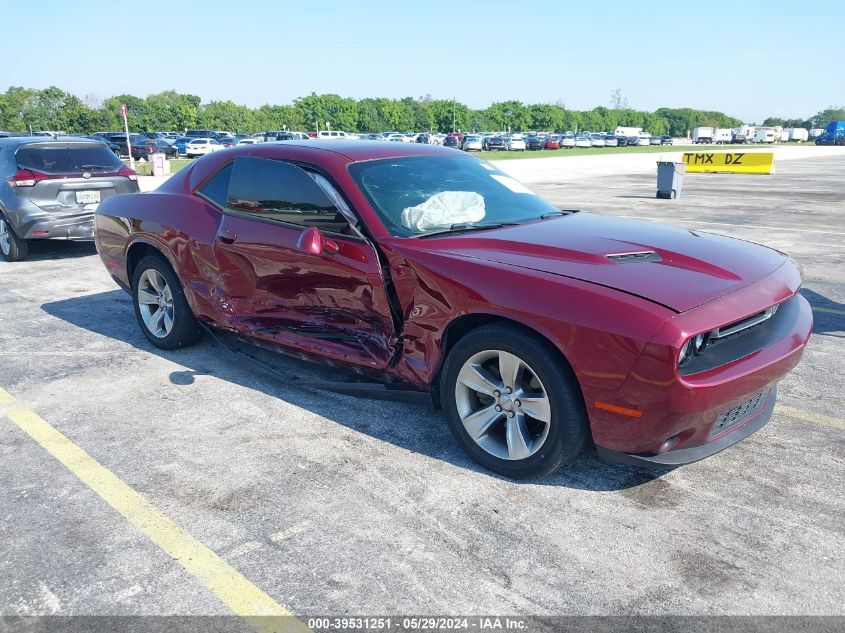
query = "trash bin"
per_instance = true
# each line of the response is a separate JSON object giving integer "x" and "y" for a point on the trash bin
{"x": 670, "y": 179}
{"x": 157, "y": 164}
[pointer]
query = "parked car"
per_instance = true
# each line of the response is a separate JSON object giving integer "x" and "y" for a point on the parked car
{"x": 451, "y": 141}
{"x": 180, "y": 144}
{"x": 202, "y": 146}
{"x": 515, "y": 143}
{"x": 567, "y": 141}
{"x": 201, "y": 133}
{"x": 610, "y": 141}
{"x": 334, "y": 135}
{"x": 421, "y": 138}
{"x": 471, "y": 143}
{"x": 666, "y": 139}
{"x": 621, "y": 140}
{"x": 632, "y": 141}
{"x": 643, "y": 140}
{"x": 498, "y": 304}
{"x": 552, "y": 142}
{"x": 583, "y": 140}
{"x": 596, "y": 140}
{"x": 152, "y": 146}
{"x": 226, "y": 141}
{"x": 655, "y": 140}
{"x": 120, "y": 141}
{"x": 534, "y": 143}
{"x": 372, "y": 137}
{"x": 49, "y": 189}
{"x": 246, "y": 141}
{"x": 114, "y": 147}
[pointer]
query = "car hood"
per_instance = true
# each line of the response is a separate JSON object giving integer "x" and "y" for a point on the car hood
{"x": 677, "y": 268}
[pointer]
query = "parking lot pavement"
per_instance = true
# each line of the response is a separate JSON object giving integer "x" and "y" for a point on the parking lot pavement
{"x": 332, "y": 504}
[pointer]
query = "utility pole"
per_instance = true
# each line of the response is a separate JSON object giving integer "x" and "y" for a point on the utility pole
{"x": 453, "y": 114}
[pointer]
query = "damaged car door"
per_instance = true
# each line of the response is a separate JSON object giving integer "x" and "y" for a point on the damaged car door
{"x": 294, "y": 271}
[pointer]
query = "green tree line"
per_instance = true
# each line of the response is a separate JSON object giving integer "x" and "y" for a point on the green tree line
{"x": 22, "y": 109}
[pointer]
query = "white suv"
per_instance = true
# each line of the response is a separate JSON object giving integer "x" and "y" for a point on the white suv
{"x": 335, "y": 135}
{"x": 515, "y": 142}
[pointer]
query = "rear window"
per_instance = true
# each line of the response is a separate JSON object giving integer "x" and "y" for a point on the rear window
{"x": 67, "y": 158}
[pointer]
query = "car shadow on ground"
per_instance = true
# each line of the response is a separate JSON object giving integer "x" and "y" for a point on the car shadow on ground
{"x": 48, "y": 250}
{"x": 824, "y": 320}
{"x": 111, "y": 314}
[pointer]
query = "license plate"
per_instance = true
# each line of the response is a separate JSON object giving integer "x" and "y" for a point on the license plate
{"x": 87, "y": 197}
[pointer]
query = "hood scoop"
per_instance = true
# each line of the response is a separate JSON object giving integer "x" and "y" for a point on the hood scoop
{"x": 639, "y": 256}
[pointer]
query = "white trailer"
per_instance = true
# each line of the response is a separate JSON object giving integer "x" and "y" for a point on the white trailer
{"x": 743, "y": 134}
{"x": 798, "y": 134}
{"x": 628, "y": 131}
{"x": 722, "y": 135}
{"x": 702, "y": 135}
{"x": 764, "y": 135}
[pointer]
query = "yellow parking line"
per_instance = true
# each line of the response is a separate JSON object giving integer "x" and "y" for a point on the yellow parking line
{"x": 239, "y": 594}
{"x": 5, "y": 396}
{"x": 809, "y": 416}
{"x": 828, "y": 310}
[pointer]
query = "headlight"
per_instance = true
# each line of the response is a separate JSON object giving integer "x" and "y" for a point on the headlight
{"x": 700, "y": 343}
{"x": 685, "y": 352}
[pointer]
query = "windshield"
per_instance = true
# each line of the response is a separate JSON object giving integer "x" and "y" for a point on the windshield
{"x": 416, "y": 195}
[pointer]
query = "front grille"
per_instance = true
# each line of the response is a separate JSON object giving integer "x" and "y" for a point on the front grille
{"x": 736, "y": 415}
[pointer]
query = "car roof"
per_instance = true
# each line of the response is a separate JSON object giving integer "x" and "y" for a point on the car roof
{"x": 367, "y": 150}
{"x": 28, "y": 140}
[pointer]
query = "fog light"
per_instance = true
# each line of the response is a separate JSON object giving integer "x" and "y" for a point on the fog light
{"x": 668, "y": 444}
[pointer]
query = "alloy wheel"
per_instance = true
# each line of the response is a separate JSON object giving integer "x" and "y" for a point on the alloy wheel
{"x": 5, "y": 237}
{"x": 155, "y": 302}
{"x": 503, "y": 405}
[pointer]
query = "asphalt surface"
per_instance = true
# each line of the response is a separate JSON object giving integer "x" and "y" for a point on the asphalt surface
{"x": 341, "y": 505}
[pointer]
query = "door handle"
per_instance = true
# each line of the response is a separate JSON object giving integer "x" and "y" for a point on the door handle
{"x": 227, "y": 237}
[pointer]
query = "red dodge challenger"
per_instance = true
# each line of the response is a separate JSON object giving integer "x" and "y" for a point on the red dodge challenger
{"x": 534, "y": 329}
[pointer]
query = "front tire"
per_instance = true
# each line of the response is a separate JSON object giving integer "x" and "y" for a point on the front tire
{"x": 12, "y": 247}
{"x": 512, "y": 402}
{"x": 160, "y": 305}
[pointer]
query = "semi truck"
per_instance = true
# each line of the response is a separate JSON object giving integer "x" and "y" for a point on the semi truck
{"x": 834, "y": 134}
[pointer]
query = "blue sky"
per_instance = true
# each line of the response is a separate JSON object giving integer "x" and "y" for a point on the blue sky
{"x": 750, "y": 59}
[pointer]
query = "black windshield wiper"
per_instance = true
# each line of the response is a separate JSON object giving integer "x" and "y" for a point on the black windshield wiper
{"x": 463, "y": 227}
{"x": 554, "y": 214}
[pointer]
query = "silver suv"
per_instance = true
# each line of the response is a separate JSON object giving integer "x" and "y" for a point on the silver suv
{"x": 50, "y": 188}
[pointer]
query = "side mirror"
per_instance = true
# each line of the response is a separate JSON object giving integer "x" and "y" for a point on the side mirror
{"x": 313, "y": 241}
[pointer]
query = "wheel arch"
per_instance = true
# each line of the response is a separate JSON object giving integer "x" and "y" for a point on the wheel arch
{"x": 466, "y": 323}
{"x": 139, "y": 249}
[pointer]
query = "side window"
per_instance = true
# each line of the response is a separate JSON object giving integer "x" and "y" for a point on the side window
{"x": 217, "y": 188}
{"x": 281, "y": 191}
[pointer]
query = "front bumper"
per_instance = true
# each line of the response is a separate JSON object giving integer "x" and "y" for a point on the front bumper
{"x": 738, "y": 432}
{"x": 658, "y": 416}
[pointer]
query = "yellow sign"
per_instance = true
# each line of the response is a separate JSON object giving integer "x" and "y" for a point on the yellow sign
{"x": 730, "y": 162}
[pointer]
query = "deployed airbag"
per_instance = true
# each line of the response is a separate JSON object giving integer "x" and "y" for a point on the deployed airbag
{"x": 444, "y": 209}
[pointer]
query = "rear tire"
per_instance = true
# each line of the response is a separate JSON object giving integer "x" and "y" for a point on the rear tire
{"x": 12, "y": 247}
{"x": 535, "y": 424}
{"x": 160, "y": 305}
